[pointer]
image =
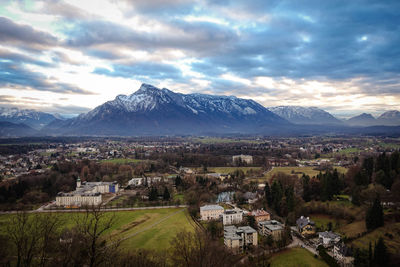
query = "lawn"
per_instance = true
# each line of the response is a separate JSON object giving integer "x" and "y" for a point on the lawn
{"x": 122, "y": 161}
{"x": 296, "y": 257}
{"x": 149, "y": 229}
{"x": 353, "y": 229}
{"x": 322, "y": 221}
{"x": 390, "y": 234}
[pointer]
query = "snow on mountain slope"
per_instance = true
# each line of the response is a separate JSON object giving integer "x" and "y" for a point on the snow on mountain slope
{"x": 153, "y": 110}
{"x": 305, "y": 115}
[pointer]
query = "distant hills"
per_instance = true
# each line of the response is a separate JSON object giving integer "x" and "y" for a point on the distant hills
{"x": 389, "y": 118}
{"x": 154, "y": 111}
{"x": 32, "y": 118}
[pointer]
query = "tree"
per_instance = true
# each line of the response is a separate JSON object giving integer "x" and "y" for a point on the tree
{"x": 33, "y": 236}
{"x": 153, "y": 194}
{"x": 374, "y": 217}
{"x": 381, "y": 255}
{"x": 91, "y": 227}
{"x": 198, "y": 249}
{"x": 166, "y": 195}
{"x": 268, "y": 195}
{"x": 251, "y": 221}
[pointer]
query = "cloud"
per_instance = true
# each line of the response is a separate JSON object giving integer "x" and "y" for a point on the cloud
{"x": 24, "y": 35}
{"x": 274, "y": 51}
{"x": 14, "y": 75}
{"x": 142, "y": 70}
{"x": 197, "y": 37}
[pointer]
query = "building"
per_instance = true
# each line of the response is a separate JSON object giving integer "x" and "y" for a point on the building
{"x": 250, "y": 197}
{"x": 86, "y": 193}
{"x": 272, "y": 228}
{"x": 261, "y": 215}
{"x": 232, "y": 217}
{"x": 136, "y": 181}
{"x": 305, "y": 226}
{"x": 343, "y": 255}
{"x": 327, "y": 239}
{"x": 211, "y": 212}
{"x": 242, "y": 158}
{"x": 239, "y": 238}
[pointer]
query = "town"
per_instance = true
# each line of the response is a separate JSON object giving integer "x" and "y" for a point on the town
{"x": 258, "y": 201}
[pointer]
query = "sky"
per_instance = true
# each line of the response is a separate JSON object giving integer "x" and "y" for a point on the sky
{"x": 70, "y": 56}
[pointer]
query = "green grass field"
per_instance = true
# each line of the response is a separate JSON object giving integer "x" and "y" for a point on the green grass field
{"x": 212, "y": 140}
{"x": 353, "y": 229}
{"x": 296, "y": 257}
{"x": 298, "y": 171}
{"x": 229, "y": 169}
{"x": 148, "y": 229}
{"x": 392, "y": 238}
{"x": 122, "y": 161}
{"x": 322, "y": 221}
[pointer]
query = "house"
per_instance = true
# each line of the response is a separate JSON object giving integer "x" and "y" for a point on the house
{"x": 250, "y": 197}
{"x": 232, "y": 217}
{"x": 328, "y": 238}
{"x": 242, "y": 158}
{"x": 261, "y": 215}
{"x": 343, "y": 255}
{"x": 239, "y": 238}
{"x": 272, "y": 228}
{"x": 305, "y": 226}
{"x": 136, "y": 181}
{"x": 211, "y": 212}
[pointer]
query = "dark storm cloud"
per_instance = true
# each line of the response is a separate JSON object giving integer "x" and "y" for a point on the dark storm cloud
{"x": 197, "y": 37}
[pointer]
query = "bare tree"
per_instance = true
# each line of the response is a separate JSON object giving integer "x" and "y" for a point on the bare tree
{"x": 91, "y": 226}
{"x": 198, "y": 249}
{"x": 32, "y": 236}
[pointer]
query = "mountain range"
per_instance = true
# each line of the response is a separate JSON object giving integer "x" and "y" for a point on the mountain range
{"x": 154, "y": 111}
{"x": 29, "y": 117}
{"x": 305, "y": 115}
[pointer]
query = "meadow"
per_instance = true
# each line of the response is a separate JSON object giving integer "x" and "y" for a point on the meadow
{"x": 299, "y": 171}
{"x": 147, "y": 229}
{"x": 390, "y": 233}
{"x": 296, "y": 257}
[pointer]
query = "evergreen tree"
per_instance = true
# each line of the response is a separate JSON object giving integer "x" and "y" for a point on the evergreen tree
{"x": 153, "y": 194}
{"x": 374, "y": 217}
{"x": 306, "y": 188}
{"x": 268, "y": 194}
{"x": 166, "y": 195}
{"x": 381, "y": 256}
{"x": 277, "y": 194}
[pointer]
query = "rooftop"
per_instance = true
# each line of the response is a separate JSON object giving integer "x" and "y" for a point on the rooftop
{"x": 211, "y": 207}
